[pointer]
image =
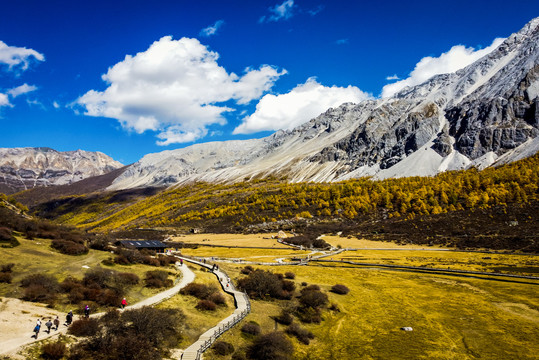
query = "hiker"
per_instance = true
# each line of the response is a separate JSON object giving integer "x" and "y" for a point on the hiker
{"x": 48, "y": 324}
{"x": 69, "y": 318}
{"x": 181, "y": 262}
{"x": 87, "y": 311}
{"x": 56, "y": 322}
{"x": 124, "y": 303}
{"x": 213, "y": 267}
{"x": 36, "y": 330}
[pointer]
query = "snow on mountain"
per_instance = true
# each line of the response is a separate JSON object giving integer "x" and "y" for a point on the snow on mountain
{"x": 471, "y": 117}
{"x": 24, "y": 168}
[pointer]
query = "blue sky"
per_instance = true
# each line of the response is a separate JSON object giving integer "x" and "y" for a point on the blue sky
{"x": 133, "y": 77}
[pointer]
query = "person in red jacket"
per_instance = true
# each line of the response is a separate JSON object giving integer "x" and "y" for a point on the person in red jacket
{"x": 124, "y": 303}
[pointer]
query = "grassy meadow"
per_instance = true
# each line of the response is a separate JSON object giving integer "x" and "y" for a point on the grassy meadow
{"x": 451, "y": 317}
{"x": 37, "y": 257}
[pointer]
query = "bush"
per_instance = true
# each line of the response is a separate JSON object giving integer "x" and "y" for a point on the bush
{"x": 218, "y": 298}
{"x": 206, "y": 305}
{"x": 289, "y": 275}
{"x": 285, "y": 318}
{"x": 247, "y": 270}
{"x": 157, "y": 279}
{"x": 6, "y": 277}
{"x": 313, "y": 299}
{"x": 223, "y": 348}
{"x": 272, "y": 346}
{"x": 128, "y": 278}
{"x": 39, "y": 287}
{"x": 200, "y": 291}
{"x": 340, "y": 289}
{"x": 262, "y": 284}
{"x": 84, "y": 327}
{"x": 288, "y": 285}
{"x": 310, "y": 315}
{"x": 69, "y": 247}
{"x": 251, "y": 328}
{"x": 53, "y": 351}
{"x": 303, "y": 335}
{"x": 7, "y": 268}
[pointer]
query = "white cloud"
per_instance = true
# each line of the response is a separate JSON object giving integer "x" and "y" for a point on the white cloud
{"x": 23, "y": 89}
{"x": 4, "y": 101}
{"x": 18, "y": 57}
{"x": 392, "y": 77}
{"x": 174, "y": 87}
{"x": 316, "y": 10}
{"x": 301, "y": 104}
{"x": 279, "y": 12}
{"x": 56, "y": 105}
{"x": 212, "y": 29}
{"x": 456, "y": 58}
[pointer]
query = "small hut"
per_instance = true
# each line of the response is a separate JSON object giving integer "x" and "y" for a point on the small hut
{"x": 154, "y": 245}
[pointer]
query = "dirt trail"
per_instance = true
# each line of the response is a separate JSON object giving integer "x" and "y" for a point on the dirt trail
{"x": 17, "y": 318}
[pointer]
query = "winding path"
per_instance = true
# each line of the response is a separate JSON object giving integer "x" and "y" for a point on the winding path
{"x": 243, "y": 307}
{"x": 12, "y": 346}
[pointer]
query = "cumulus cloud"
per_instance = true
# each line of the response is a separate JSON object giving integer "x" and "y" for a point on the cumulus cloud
{"x": 18, "y": 57}
{"x": 392, "y": 77}
{"x": 279, "y": 12}
{"x": 212, "y": 29}
{"x": 56, "y": 105}
{"x": 301, "y": 104}
{"x": 456, "y": 58}
{"x": 20, "y": 90}
{"x": 4, "y": 101}
{"x": 175, "y": 87}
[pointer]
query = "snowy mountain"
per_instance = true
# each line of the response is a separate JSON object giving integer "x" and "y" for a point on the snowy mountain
{"x": 486, "y": 111}
{"x": 24, "y": 168}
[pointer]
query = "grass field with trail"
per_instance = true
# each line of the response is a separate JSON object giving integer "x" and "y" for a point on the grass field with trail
{"x": 257, "y": 255}
{"x": 452, "y": 317}
{"x": 197, "y": 321}
{"x": 250, "y": 240}
{"x": 37, "y": 257}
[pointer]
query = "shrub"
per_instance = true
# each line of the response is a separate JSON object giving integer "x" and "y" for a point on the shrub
{"x": 247, "y": 270}
{"x": 271, "y": 346}
{"x": 157, "y": 279}
{"x": 84, "y": 327}
{"x": 262, "y": 284}
{"x": 284, "y": 318}
{"x": 200, "y": 291}
{"x": 39, "y": 287}
{"x": 223, "y": 348}
{"x": 69, "y": 247}
{"x": 313, "y": 299}
{"x": 206, "y": 305}
{"x": 340, "y": 289}
{"x": 311, "y": 288}
{"x": 288, "y": 285}
{"x": 53, "y": 351}
{"x": 218, "y": 298}
{"x": 310, "y": 315}
{"x": 6, "y": 277}
{"x": 7, "y": 268}
{"x": 128, "y": 278}
{"x": 251, "y": 328}
{"x": 303, "y": 335}
{"x": 289, "y": 275}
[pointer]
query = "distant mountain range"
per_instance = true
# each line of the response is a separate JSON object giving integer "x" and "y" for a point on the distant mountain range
{"x": 486, "y": 113}
{"x": 25, "y": 168}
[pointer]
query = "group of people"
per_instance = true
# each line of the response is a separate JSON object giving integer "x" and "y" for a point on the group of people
{"x": 50, "y": 322}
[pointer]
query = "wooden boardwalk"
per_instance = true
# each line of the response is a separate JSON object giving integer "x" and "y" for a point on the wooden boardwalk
{"x": 243, "y": 307}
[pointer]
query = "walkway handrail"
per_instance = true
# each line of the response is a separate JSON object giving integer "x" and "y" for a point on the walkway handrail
{"x": 228, "y": 287}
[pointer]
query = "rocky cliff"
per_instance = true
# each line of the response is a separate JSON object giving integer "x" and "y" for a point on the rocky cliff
{"x": 24, "y": 168}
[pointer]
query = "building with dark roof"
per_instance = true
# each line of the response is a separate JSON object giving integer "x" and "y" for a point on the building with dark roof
{"x": 154, "y": 245}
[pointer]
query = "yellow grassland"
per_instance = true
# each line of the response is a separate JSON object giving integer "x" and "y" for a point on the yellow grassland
{"x": 452, "y": 317}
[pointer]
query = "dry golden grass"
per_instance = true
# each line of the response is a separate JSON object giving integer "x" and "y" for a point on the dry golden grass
{"x": 452, "y": 317}
{"x": 258, "y": 255}
{"x": 356, "y": 243}
{"x": 250, "y": 240}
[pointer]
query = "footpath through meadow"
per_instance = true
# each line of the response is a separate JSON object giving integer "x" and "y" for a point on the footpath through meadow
{"x": 12, "y": 346}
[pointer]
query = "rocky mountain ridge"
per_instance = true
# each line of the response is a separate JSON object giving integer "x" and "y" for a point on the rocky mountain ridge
{"x": 25, "y": 168}
{"x": 453, "y": 121}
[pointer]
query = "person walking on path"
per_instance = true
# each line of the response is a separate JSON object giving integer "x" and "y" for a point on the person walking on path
{"x": 124, "y": 303}
{"x": 69, "y": 318}
{"x": 48, "y": 324}
{"x": 37, "y": 328}
{"x": 87, "y": 311}
{"x": 181, "y": 262}
{"x": 56, "y": 323}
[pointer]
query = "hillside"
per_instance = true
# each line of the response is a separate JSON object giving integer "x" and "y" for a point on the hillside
{"x": 26, "y": 168}
{"x": 468, "y": 118}
{"x": 506, "y": 193}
